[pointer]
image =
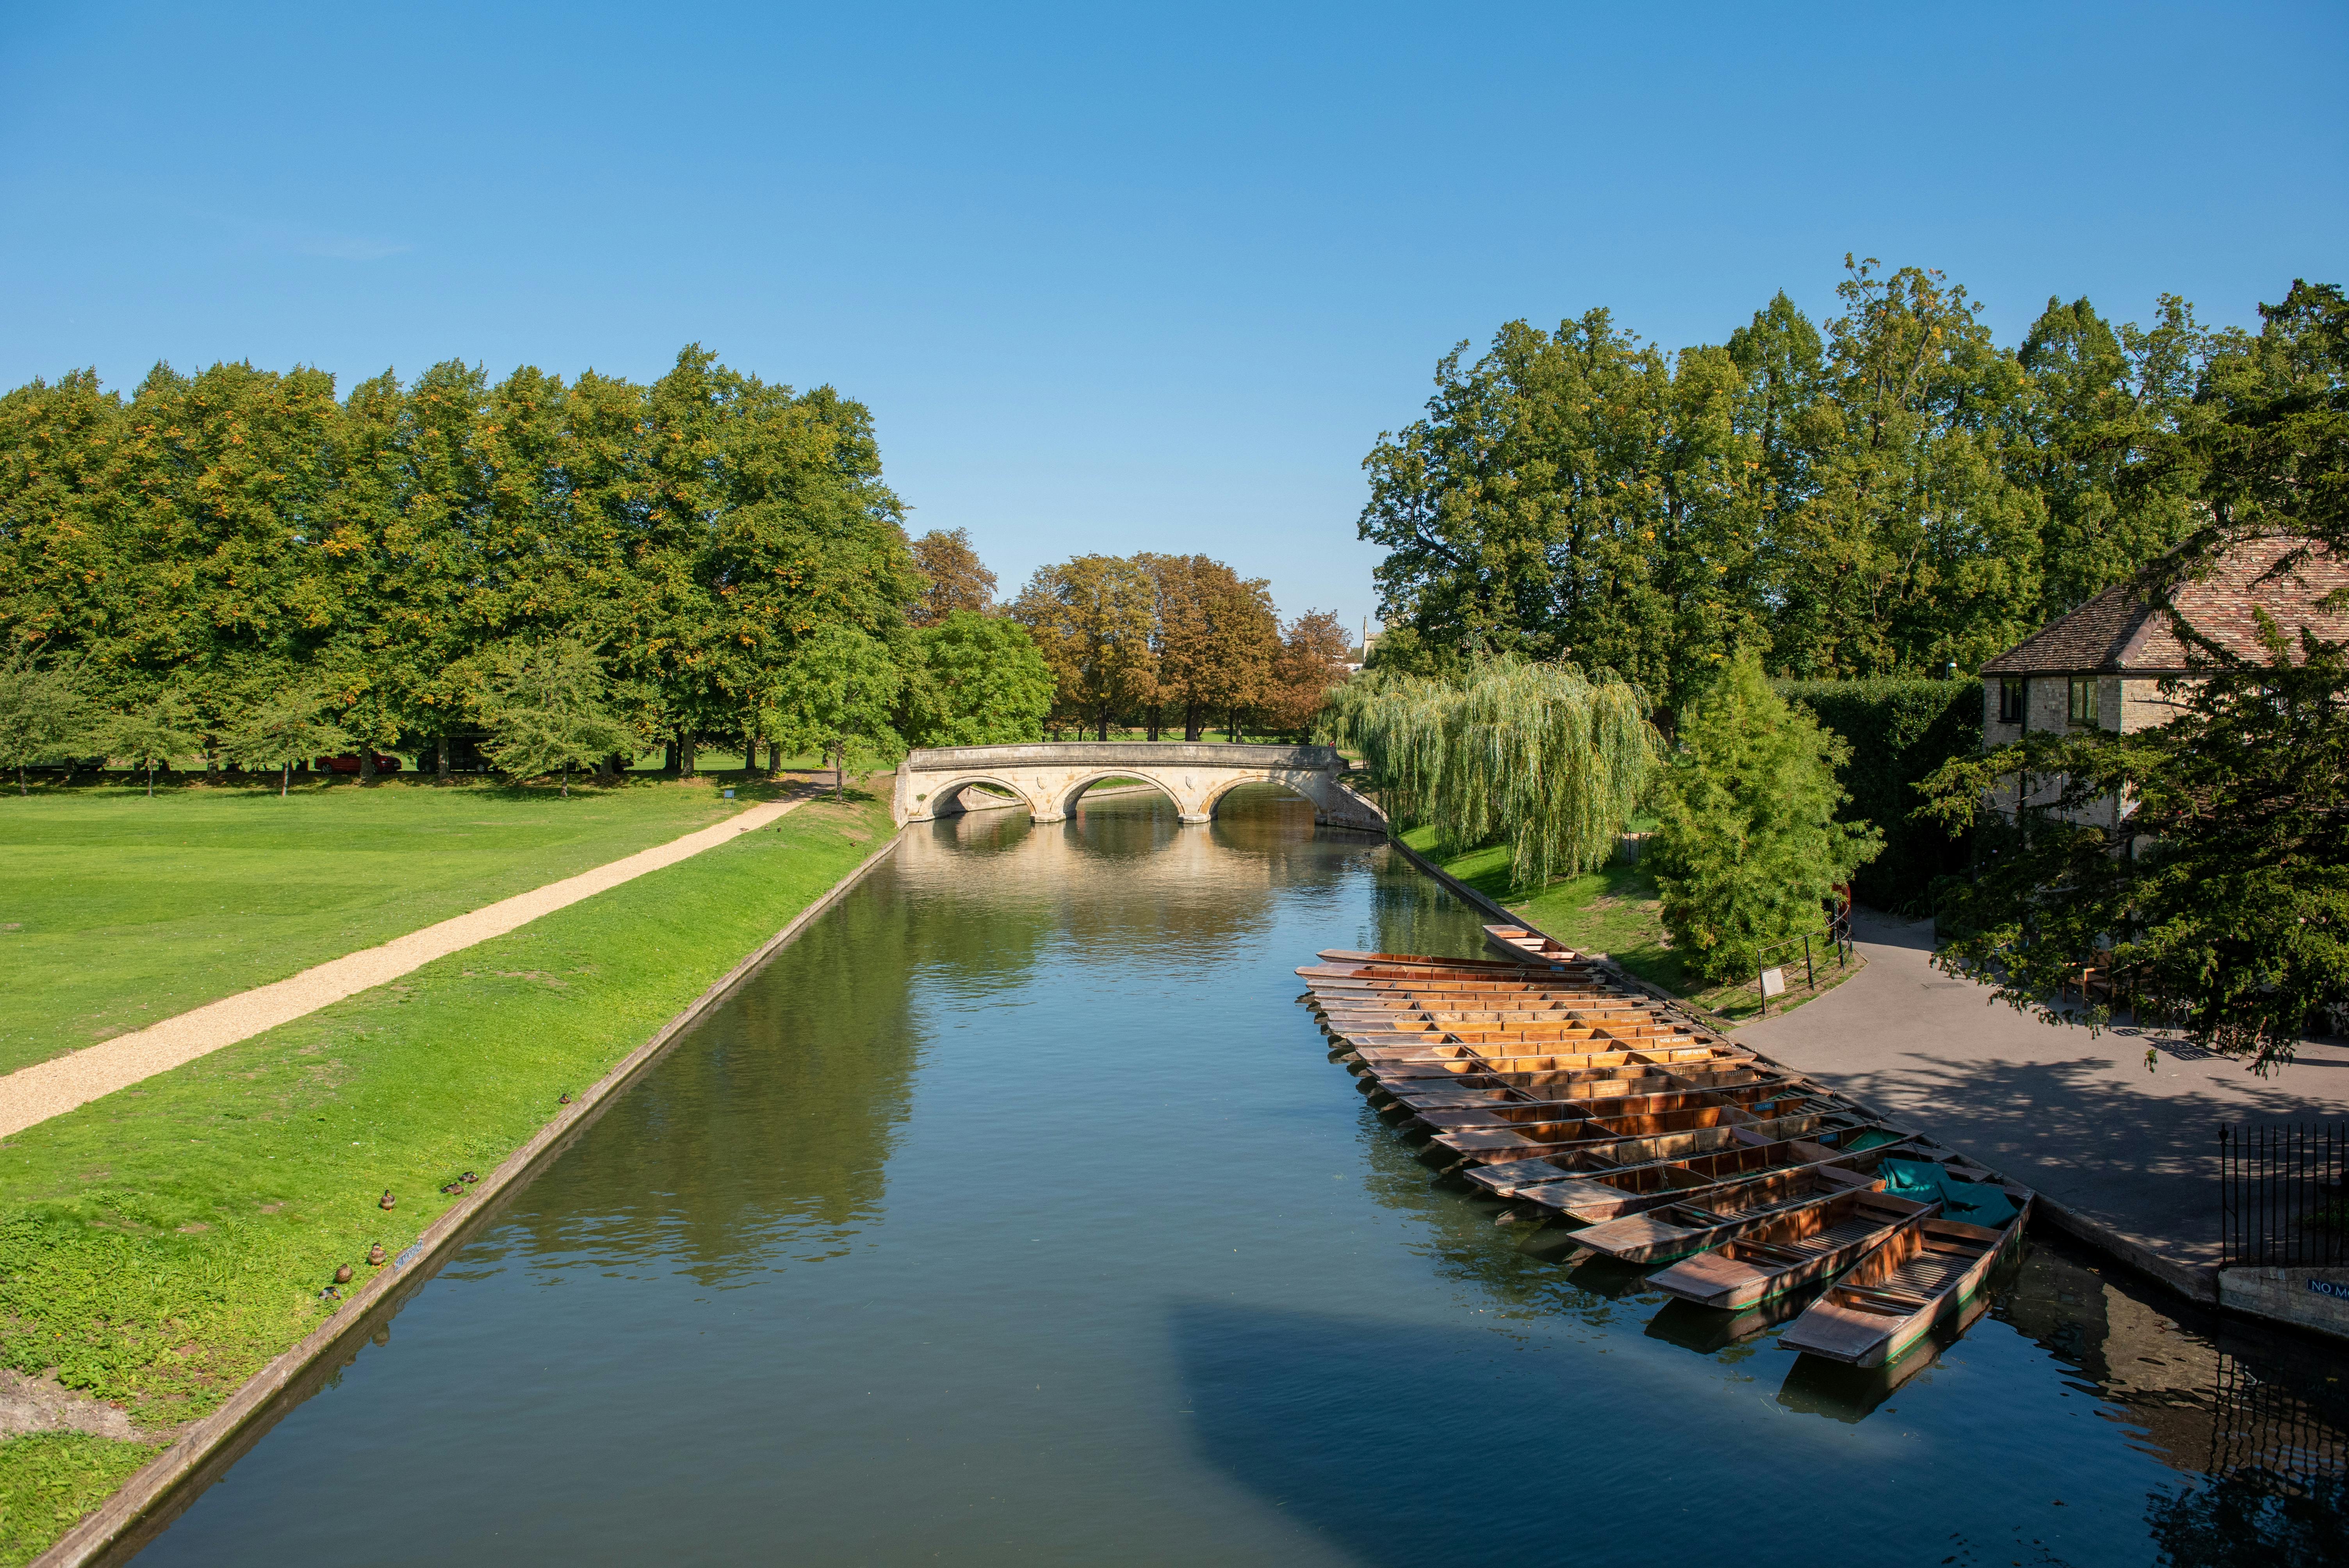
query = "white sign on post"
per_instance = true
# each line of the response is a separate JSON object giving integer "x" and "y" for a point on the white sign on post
{"x": 1774, "y": 982}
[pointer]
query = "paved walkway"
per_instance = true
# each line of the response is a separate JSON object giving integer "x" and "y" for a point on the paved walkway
{"x": 34, "y": 1094}
{"x": 2077, "y": 1116}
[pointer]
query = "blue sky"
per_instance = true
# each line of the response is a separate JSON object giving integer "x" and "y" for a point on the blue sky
{"x": 1120, "y": 278}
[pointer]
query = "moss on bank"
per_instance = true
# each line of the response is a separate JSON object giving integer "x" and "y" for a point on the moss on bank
{"x": 159, "y": 1245}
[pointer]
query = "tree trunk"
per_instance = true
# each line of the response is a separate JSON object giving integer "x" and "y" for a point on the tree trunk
{"x": 366, "y": 762}
{"x": 684, "y": 754}
{"x": 566, "y": 778}
{"x": 774, "y": 758}
{"x": 440, "y": 758}
{"x": 150, "y": 779}
{"x": 284, "y": 778}
{"x": 20, "y": 779}
{"x": 211, "y": 761}
{"x": 669, "y": 757}
{"x": 1104, "y": 733}
{"x": 839, "y": 769}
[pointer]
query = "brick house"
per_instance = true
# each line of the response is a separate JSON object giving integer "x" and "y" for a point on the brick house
{"x": 2102, "y": 665}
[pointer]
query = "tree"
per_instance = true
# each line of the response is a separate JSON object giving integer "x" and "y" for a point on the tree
{"x": 157, "y": 732}
{"x": 272, "y": 733}
{"x": 1312, "y": 656}
{"x": 1536, "y": 756}
{"x": 547, "y": 709}
{"x": 977, "y": 680}
{"x": 2209, "y": 856}
{"x": 1746, "y": 836}
{"x": 955, "y": 578}
{"x": 43, "y": 711}
{"x": 1215, "y": 640}
{"x": 1093, "y": 619}
{"x": 837, "y": 697}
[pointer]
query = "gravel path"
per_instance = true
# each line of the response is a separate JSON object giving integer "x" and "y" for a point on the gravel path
{"x": 50, "y": 1089}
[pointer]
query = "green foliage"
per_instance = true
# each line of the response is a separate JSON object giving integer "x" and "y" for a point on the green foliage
{"x": 838, "y": 697}
{"x": 154, "y": 732}
{"x": 2222, "y": 891}
{"x": 1887, "y": 497}
{"x": 43, "y": 711}
{"x": 1747, "y": 831}
{"x": 51, "y": 1481}
{"x": 545, "y": 709}
{"x": 977, "y": 680}
{"x": 276, "y": 731}
{"x": 1537, "y": 755}
{"x": 1898, "y": 733}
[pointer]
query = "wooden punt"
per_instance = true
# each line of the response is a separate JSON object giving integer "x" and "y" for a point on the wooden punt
{"x": 1462, "y": 1090}
{"x": 1521, "y": 1113}
{"x": 1593, "y": 1197}
{"x": 1416, "y": 960}
{"x": 1517, "y": 940}
{"x": 1678, "y": 1229}
{"x": 1695, "y": 1131}
{"x": 1918, "y": 1276}
{"x": 1793, "y": 1252}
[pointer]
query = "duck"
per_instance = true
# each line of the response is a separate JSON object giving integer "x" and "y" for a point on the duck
{"x": 343, "y": 1274}
{"x": 375, "y": 1254}
{"x": 469, "y": 1178}
{"x": 562, "y": 1099}
{"x": 386, "y": 1200}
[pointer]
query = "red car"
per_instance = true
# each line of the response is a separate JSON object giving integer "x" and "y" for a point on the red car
{"x": 351, "y": 764}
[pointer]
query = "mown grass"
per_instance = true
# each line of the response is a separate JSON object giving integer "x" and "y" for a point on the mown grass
{"x": 117, "y": 911}
{"x": 1616, "y": 910}
{"x": 49, "y": 1481}
{"x": 157, "y": 1246}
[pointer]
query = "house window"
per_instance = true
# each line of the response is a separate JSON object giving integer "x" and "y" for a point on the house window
{"x": 2083, "y": 708}
{"x": 2011, "y": 695}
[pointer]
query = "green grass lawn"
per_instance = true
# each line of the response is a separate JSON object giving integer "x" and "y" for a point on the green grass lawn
{"x": 159, "y": 1245}
{"x": 117, "y": 911}
{"x": 1616, "y": 910}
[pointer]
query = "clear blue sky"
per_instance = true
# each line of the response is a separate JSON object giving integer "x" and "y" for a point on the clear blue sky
{"x": 1120, "y": 277}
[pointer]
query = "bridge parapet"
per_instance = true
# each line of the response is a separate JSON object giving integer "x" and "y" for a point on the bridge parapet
{"x": 1048, "y": 777}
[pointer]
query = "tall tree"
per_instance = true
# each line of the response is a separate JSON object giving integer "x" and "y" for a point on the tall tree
{"x": 154, "y": 732}
{"x": 1312, "y": 658}
{"x": 1093, "y": 619}
{"x": 546, "y": 711}
{"x": 976, "y": 680}
{"x": 1747, "y": 833}
{"x": 1216, "y": 640}
{"x": 838, "y": 697}
{"x": 282, "y": 728}
{"x": 44, "y": 711}
{"x": 956, "y": 577}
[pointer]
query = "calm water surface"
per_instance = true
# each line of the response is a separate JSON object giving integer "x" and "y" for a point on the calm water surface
{"x": 1016, "y": 1214}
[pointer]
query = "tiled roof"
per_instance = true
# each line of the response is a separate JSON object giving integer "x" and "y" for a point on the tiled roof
{"x": 2119, "y": 632}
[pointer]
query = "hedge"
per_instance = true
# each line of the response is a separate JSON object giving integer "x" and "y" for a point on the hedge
{"x": 1899, "y": 731}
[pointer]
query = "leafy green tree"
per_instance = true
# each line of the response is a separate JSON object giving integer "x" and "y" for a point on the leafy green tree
{"x": 547, "y": 709}
{"x": 1215, "y": 642}
{"x": 977, "y": 681}
{"x": 44, "y": 711}
{"x": 2210, "y": 857}
{"x": 837, "y": 697}
{"x": 154, "y": 732}
{"x": 276, "y": 731}
{"x": 1746, "y": 838}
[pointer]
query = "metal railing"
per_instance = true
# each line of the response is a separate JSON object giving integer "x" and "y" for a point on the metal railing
{"x": 2282, "y": 1201}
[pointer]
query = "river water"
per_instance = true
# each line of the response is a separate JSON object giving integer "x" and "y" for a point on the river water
{"x": 1015, "y": 1214}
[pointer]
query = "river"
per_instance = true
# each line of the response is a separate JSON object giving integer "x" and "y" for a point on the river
{"x": 1015, "y": 1214}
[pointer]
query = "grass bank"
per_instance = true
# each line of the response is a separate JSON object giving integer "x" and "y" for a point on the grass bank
{"x": 117, "y": 911}
{"x": 1616, "y": 910}
{"x": 159, "y": 1245}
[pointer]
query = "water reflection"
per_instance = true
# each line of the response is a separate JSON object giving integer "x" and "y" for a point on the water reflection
{"x": 1016, "y": 1214}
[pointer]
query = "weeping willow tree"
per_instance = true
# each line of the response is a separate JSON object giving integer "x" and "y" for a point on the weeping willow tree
{"x": 1538, "y": 754}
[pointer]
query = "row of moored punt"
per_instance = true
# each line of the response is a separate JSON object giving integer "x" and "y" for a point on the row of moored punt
{"x": 1546, "y": 1081}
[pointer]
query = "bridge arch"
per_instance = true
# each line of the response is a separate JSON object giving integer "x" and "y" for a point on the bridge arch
{"x": 1049, "y": 777}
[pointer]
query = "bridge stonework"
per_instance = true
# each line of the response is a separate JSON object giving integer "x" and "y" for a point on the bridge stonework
{"x": 1049, "y": 776}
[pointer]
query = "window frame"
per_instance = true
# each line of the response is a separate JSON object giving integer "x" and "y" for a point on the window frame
{"x": 2080, "y": 702}
{"x": 2013, "y": 700}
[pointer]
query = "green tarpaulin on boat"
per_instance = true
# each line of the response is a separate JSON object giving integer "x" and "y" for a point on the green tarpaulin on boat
{"x": 1874, "y": 1137}
{"x": 1975, "y": 1203}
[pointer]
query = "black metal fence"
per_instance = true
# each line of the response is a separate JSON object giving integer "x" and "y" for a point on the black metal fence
{"x": 2282, "y": 1201}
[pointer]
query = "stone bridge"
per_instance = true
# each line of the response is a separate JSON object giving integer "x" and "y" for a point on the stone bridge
{"x": 1047, "y": 778}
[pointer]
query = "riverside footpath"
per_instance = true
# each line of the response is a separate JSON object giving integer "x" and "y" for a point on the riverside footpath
{"x": 2129, "y": 1149}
